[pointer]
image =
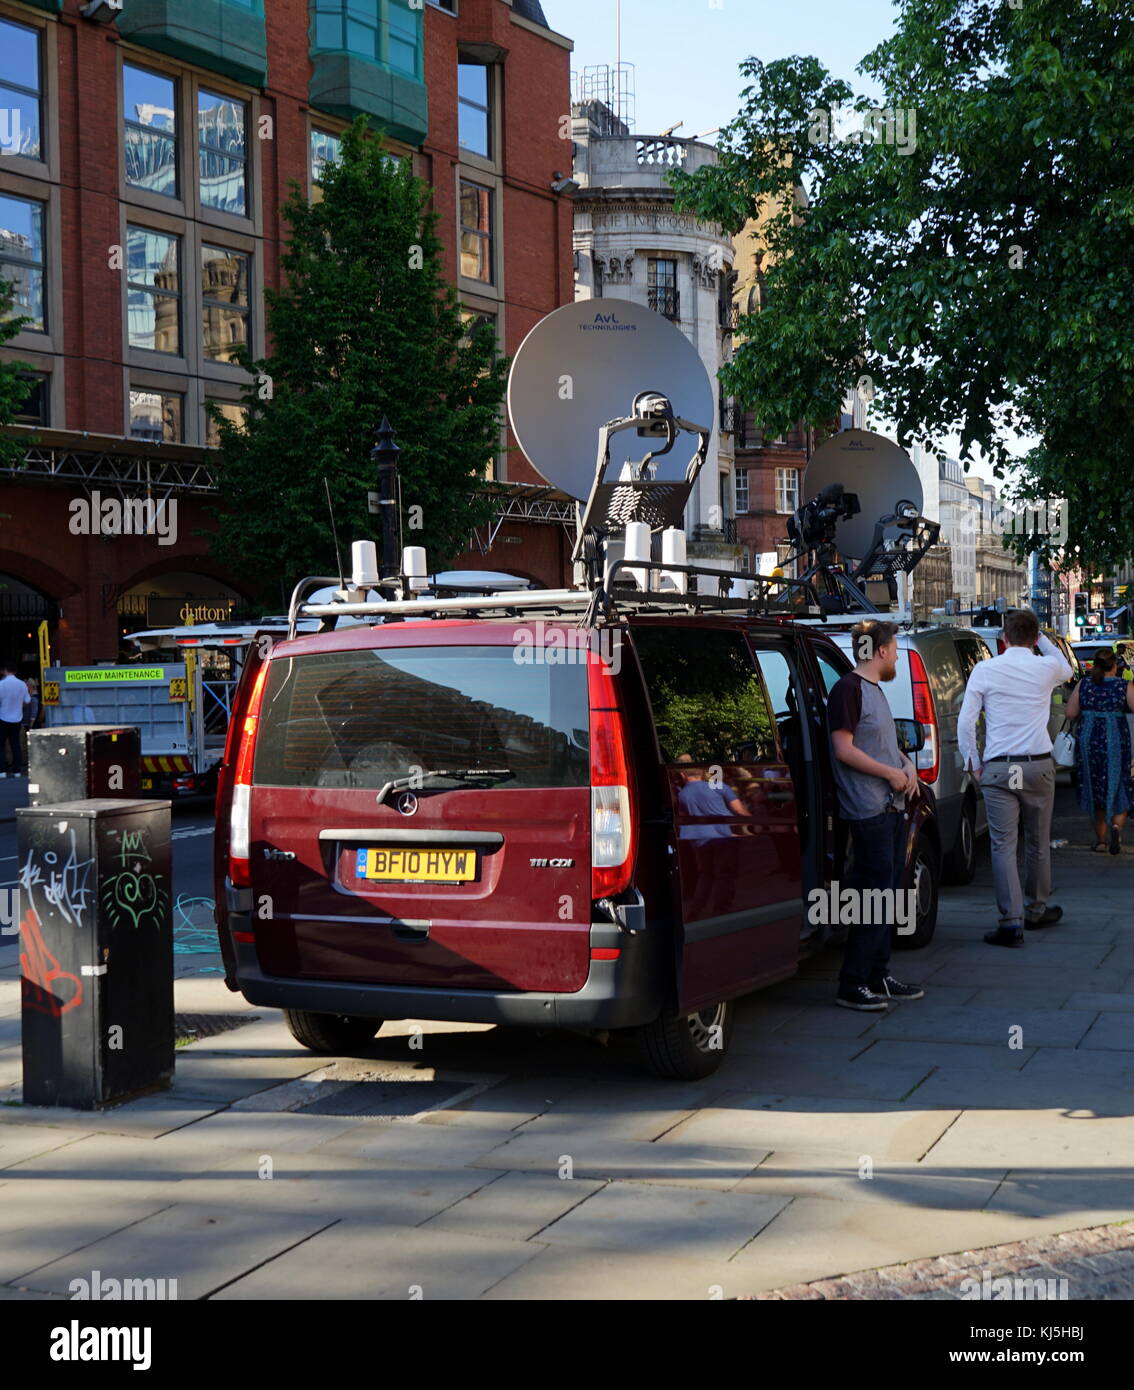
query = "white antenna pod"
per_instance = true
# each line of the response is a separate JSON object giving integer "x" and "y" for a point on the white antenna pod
{"x": 673, "y": 553}
{"x": 364, "y": 564}
{"x": 413, "y": 567}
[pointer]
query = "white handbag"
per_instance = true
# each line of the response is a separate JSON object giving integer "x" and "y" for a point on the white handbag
{"x": 1063, "y": 750}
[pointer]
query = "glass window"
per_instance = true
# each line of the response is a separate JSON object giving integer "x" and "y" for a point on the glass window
{"x": 708, "y": 704}
{"x": 156, "y": 416}
{"x": 21, "y": 257}
{"x": 325, "y": 149}
{"x": 21, "y": 90}
{"x": 382, "y": 31}
{"x": 473, "y": 108}
{"x": 787, "y": 489}
{"x": 830, "y": 671}
{"x": 149, "y": 111}
{"x": 661, "y": 286}
{"x": 153, "y": 290}
{"x": 235, "y": 414}
{"x": 404, "y": 44}
{"x": 741, "y": 491}
{"x": 970, "y": 652}
{"x": 224, "y": 302}
{"x": 222, "y": 153}
{"x": 363, "y": 718}
{"x": 476, "y": 232}
{"x": 35, "y": 407}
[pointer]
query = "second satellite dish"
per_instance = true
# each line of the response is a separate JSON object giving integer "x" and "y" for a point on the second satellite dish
{"x": 581, "y": 367}
{"x": 876, "y": 470}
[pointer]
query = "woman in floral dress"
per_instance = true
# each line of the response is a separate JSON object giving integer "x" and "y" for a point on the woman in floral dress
{"x": 1101, "y": 702}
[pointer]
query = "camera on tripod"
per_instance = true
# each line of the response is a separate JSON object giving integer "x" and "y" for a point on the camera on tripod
{"x": 813, "y": 526}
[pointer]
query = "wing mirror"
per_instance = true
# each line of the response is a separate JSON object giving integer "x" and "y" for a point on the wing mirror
{"x": 911, "y": 735}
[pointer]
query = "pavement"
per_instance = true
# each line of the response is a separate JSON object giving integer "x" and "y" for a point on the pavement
{"x": 986, "y": 1130}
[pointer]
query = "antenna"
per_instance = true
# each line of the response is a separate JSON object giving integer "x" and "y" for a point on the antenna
{"x": 334, "y": 530}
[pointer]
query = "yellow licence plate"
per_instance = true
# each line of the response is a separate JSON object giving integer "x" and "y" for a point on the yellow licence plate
{"x": 417, "y": 865}
{"x": 147, "y": 784}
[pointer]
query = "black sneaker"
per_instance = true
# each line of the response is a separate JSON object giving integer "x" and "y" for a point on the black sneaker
{"x": 861, "y": 998}
{"x": 1005, "y": 936}
{"x": 890, "y": 988}
{"x": 1051, "y": 915}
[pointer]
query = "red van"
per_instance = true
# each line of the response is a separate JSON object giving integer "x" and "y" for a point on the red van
{"x": 503, "y": 820}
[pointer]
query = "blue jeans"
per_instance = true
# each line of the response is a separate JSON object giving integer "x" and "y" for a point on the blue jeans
{"x": 879, "y": 862}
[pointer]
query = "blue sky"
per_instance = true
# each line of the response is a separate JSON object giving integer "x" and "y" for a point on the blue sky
{"x": 686, "y": 52}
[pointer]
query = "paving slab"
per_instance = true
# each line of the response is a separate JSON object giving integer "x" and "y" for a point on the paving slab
{"x": 827, "y": 1020}
{"x": 1085, "y": 1198}
{"x": 1048, "y": 1138}
{"x": 849, "y": 1128}
{"x": 201, "y": 1246}
{"x": 895, "y": 1186}
{"x": 1021, "y": 1091}
{"x": 411, "y": 1144}
{"x": 1105, "y": 1003}
{"x": 1111, "y": 1033}
{"x": 46, "y": 1223}
{"x": 781, "y": 1070}
{"x": 507, "y": 1105}
{"x": 686, "y": 1165}
{"x": 1019, "y": 997}
{"x": 146, "y": 1118}
{"x": 18, "y": 1142}
{"x": 956, "y": 1056}
{"x": 670, "y": 1220}
{"x": 858, "y": 1236}
{"x": 514, "y": 1206}
{"x": 942, "y": 1023}
{"x": 256, "y": 1133}
{"x": 564, "y": 1274}
{"x": 1017, "y": 977}
{"x": 355, "y": 1261}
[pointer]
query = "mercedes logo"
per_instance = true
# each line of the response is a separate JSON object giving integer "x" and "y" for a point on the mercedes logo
{"x": 407, "y": 804}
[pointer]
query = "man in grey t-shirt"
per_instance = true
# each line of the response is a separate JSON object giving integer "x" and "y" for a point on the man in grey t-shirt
{"x": 874, "y": 778}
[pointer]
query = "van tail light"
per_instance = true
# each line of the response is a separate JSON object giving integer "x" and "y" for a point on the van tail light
{"x": 614, "y": 832}
{"x": 1001, "y": 646}
{"x": 240, "y": 813}
{"x": 927, "y": 760}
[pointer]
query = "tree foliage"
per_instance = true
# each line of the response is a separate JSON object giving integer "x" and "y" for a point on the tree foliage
{"x": 365, "y": 326}
{"x": 982, "y": 279}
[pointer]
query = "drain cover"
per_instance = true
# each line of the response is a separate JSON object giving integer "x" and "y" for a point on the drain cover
{"x": 383, "y": 1098}
{"x": 192, "y": 1027}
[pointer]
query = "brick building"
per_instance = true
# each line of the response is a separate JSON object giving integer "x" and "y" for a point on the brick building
{"x": 146, "y": 152}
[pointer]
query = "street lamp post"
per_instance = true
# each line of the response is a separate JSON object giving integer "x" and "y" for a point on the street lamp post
{"x": 387, "y": 500}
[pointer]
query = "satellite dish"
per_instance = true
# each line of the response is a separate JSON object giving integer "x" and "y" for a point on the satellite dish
{"x": 581, "y": 367}
{"x": 876, "y": 470}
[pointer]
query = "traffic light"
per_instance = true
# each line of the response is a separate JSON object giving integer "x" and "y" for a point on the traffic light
{"x": 1080, "y": 610}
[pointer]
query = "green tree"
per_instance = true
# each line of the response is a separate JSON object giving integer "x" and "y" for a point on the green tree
{"x": 13, "y": 387}
{"x": 365, "y": 326}
{"x": 981, "y": 275}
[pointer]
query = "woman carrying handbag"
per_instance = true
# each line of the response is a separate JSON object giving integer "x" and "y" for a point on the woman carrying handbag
{"x": 1101, "y": 702}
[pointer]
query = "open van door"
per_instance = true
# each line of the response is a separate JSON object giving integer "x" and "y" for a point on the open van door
{"x": 735, "y": 833}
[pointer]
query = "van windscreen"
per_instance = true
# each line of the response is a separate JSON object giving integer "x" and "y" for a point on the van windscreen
{"x": 364, "y": 718}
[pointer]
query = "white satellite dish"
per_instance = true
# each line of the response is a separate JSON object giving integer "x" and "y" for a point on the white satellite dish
{"x": 581, "y": 367}
{"x": 879, "y": 472}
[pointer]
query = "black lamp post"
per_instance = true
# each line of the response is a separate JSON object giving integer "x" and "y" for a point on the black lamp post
{"x": 386, "y": 500}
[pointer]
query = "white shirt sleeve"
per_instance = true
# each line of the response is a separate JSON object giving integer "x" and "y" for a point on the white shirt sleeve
{"x": 971, "y": 708}
{"x": 1054, "y": 659}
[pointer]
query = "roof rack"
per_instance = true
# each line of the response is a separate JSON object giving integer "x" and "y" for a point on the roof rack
{"x": 774, "y": 597}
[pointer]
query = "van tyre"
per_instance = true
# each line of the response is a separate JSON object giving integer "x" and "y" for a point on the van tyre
{"x": 960, "y": 866}
{"x": 926, "y": 882}
{"x": 334, "y": 1034}
{"x": 684, "y": 1047}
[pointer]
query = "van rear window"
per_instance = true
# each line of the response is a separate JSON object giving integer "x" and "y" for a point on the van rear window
{"x": 365, "y": 718}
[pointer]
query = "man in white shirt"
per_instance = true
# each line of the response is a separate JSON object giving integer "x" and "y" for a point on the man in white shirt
{"x": 14, "y": 698}
{"x": 1018, "y": 776}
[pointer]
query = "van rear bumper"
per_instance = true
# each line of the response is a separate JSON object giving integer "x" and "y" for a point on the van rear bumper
{"x": 618, "y": 993}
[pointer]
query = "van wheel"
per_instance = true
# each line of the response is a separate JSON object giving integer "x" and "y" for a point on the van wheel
{"x": 331, "y": 1033}
{"x": 926, "y": 882}
{"x": 960, "y": 866}
{"x": 684, "y": 1047}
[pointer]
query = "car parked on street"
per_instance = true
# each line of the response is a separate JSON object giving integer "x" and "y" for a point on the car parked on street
{"x": 502, "y": 819}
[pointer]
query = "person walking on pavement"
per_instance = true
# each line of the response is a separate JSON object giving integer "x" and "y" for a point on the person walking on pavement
{"x": 1102, "y": 748}
{"x": 1123, "y": 672}
{"x": 1017, "y": 776}
{"x": 874, "y": 778}
{"x": 14, "y": 699}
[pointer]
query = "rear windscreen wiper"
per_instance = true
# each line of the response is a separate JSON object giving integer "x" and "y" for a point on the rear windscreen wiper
{"x": 464, "y": 774}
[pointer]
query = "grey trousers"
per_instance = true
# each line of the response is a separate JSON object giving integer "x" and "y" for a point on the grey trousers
{"x": 1014, "y": 793}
